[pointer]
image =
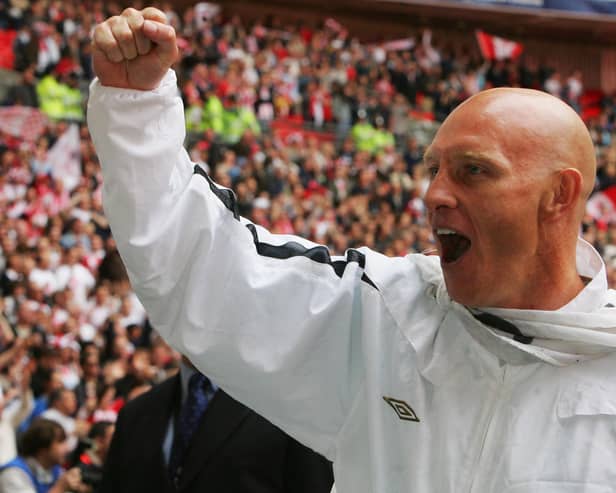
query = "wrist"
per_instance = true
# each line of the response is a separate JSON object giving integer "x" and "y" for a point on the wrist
{"x": 59, "y": 487}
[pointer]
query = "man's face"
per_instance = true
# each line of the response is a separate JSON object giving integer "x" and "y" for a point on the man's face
{"x": 57, "y": 451}
{"x": 56, "y": 379}
{"x": 91, "y": 366}
{"x": 68, "y": 403}
{"x": 483, "y": 204}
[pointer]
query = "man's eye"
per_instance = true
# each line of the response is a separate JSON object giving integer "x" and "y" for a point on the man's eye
{"x": 473, "y": 169}
{"x": 432, "y": 171}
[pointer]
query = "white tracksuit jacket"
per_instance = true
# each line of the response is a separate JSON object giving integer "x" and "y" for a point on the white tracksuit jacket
{"x": 363, "y": 357}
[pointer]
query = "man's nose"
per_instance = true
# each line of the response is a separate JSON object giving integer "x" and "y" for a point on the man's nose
{"x": 440, "y": 193}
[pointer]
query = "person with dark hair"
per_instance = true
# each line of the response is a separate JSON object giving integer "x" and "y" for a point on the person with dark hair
{"x": 24, "y": 94}
{"x": 37, "y": 468}
{"x": 140, "y": 372}
{"x": 92, "y": 379}
{"x": 48, "y": 380}
{"x": 92, "y": 460}
{"x": 43, "y": 379}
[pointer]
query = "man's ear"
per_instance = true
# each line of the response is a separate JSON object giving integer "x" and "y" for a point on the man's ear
{"x": 565, "y": 194}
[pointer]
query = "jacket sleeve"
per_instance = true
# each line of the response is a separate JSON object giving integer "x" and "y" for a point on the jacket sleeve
{"x": 272, "y": 319}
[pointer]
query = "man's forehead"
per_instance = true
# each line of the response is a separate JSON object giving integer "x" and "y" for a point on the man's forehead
{"x": 463, "y": 143}
{"x": 463, "y": 151}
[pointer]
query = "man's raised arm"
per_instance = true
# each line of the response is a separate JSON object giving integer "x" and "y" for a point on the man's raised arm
{"x": 267, "y": 317}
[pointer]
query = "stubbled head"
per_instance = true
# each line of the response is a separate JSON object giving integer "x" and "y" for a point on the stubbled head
{"x": 511, "y": 170}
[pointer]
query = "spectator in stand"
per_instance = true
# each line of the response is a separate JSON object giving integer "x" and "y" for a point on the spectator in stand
{"x": 61, "y": 409}
{"x": 102, "y": 305}
{"x": 91, "y": 383}
{"x": 92, "y": 460}
{"x": 16, "y": 399}
{"x": 574, "y": 88}
{"x": 38, "y": 469}
{"x": 553, "y": 84}
{"x": 140, "y": 374}
{"x": 74, "y": 275}
{"x": 25, "y": 93}
{"x": 363, "y": 132}
{"x": 46, "y": 380}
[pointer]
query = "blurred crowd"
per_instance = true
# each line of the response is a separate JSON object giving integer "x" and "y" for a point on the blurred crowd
{"x": 75, "y": 343}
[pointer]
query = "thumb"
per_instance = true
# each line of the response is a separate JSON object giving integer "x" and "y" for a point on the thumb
{"x": 164, "y": 37}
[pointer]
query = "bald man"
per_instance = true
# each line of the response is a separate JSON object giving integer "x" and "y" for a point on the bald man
{"x": 511, "y": 170}
{"x": 488, "y": 369}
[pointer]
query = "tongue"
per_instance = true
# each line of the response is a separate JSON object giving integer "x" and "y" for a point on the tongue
{"x": 453, "y": 247}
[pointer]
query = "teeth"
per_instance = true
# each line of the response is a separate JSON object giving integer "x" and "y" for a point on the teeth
{"x": 445, "y": 231}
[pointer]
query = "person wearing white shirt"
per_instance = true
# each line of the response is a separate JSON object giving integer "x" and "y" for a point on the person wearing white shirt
{"x": 62, "y": 406}
{"x": 15, "y": 406}
{"x": 75, "y": 276}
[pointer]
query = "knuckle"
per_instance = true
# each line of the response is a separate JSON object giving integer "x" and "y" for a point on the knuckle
{"x": 97, "y": 34}
{"x": 101, "y": 30}
{"x": 123, "y": 36}
{"x": 130, "y": 12}
{"x": 103, "y": 42}
{"x": 135, "y": 22}
{"x": 155, "y": 14}
{"x": 114, "y": 21}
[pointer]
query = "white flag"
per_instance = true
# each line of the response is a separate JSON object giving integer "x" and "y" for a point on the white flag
{"x": 205, "y": 11}
{"x": 399, "y": 44}
{"x": 64, "y": 158}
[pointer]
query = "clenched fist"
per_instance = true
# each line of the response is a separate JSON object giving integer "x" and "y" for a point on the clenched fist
{"x": 134, "y": 50}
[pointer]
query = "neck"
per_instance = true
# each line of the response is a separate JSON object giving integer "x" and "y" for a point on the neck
{"x": 44, "y": 461}
{"x": 553, "y": 295}
{"x": 557, "y": 281}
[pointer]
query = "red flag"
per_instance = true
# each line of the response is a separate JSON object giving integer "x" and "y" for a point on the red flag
{"x": 495, "y": 48}
{"x": 7, "y": 57}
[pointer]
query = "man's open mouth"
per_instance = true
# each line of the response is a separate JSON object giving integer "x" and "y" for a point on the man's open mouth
{"x": 453, "y": 244}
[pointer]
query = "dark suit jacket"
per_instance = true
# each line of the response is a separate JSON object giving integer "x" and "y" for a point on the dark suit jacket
{"x": 234, "y": 451}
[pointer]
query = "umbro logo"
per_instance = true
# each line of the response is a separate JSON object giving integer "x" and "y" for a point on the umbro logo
{"x": 403, "y": 410}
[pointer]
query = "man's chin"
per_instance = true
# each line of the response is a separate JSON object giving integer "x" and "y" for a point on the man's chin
{"x": 462, "y": 285}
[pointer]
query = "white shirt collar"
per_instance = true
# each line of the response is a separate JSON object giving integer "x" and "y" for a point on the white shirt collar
{"x": 185, "y": 373}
